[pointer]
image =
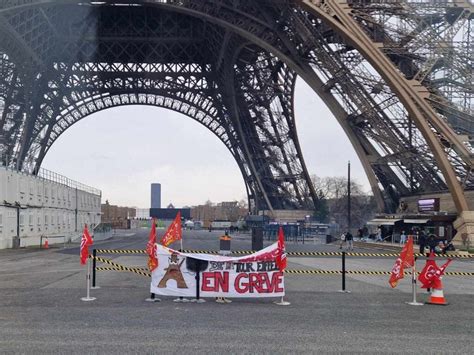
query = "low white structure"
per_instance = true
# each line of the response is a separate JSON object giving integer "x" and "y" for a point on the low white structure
{"x": 142, "y": 213}
{"x": 45, "y": 205}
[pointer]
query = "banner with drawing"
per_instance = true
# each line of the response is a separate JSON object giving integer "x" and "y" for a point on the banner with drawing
{"x": 254, "y": 275}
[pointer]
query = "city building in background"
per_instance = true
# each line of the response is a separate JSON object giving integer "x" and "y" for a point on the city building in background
{"x": 118, "y": 217}
{"x": 155, "y": 195}
{"x": 170, "y": 213}
{"x": 231, "y": 211}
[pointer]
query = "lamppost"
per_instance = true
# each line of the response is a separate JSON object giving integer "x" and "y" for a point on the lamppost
{"x": 348, "y": 196}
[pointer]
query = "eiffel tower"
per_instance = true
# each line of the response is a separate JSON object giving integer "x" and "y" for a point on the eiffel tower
{"x": 396, "y": 74}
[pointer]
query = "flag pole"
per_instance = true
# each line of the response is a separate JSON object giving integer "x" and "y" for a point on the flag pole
{"x": 413, "y": 286}
{"x": 88, "y": 279}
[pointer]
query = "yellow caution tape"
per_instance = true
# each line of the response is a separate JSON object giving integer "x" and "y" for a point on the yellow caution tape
{"x": 290, "y": 253}
{"x": 135, "y": 270}
{"x": 120, "y": 251}
{"x": 145, "y": 272}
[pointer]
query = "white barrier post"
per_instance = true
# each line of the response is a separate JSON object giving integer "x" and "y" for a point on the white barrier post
{"x": 88, "y": 278}
{"x": 413, "y": 286}
{"x": 282, "y": 302}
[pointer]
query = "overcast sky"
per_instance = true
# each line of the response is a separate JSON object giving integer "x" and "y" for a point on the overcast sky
{"x": 122, "y": 150}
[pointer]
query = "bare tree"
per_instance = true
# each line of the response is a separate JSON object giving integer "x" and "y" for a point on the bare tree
{"x": 334, "y": 190}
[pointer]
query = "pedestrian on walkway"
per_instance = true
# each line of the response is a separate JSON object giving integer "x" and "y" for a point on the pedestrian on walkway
{"x": 378, "y": 237}
{"x": 403, "y": 238}
{"x": 349, "y": 240}
{"x": 343, "y": 240}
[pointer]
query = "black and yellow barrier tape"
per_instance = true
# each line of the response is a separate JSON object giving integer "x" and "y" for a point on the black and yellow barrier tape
{"x": 120, "y": 251}
{"x": 114, "y": 268}
{"x": 364, "y": 272}
{"x": 145, "y": 272}
{"x": 290, "y": 253}
{"x": 135, "y": 270}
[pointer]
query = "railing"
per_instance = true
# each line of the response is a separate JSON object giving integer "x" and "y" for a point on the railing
{"x": 61, "y": 179}
{"x": 56, "y": 178}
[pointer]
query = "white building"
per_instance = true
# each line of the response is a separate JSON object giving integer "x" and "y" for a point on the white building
{"x": 45, "y": 205}
{"x": 142, "y": 213}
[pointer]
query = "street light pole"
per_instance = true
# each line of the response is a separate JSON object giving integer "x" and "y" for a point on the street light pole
{"x": 348, "y": 196}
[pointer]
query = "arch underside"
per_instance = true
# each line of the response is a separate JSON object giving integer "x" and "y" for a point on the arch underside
{"x": 229, "y": 66}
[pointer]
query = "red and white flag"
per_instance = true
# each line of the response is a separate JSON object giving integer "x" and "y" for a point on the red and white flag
{"x": 151, "y": 247}
{"x": 85, "y": 242}
{"x": 405, "y": 259}
{"x": 174, "y": 232}
{"x": 430, "y": 276}
{"x": 281, "y": 259}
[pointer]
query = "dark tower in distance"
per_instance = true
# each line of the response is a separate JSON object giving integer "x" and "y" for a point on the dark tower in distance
{"x": 155, "y": 195}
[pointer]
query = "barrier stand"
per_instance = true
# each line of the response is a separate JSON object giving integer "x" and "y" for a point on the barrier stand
{"x": 94, "y": 254}
{"x": 198, "y": 281}
{"x": 282, "y": 302}
{"x": 224, "y": 250}
{"x": 413, "y": 286}
{"x": 152, "y": 298}
{"x": 88, "y": 278}
{"x": 344, "y": 274}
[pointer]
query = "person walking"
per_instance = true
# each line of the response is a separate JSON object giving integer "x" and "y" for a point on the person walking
{"x": 343, "y": 240}
{"x": 403, "y": 238}
{"x": 378, "y": 237}
{"x": 349, "y": 240}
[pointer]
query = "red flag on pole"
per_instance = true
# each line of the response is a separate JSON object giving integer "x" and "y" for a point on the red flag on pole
{"x": 405, "y": 259}
{"x": 281, "y": 260}
{"x": 431, "y": 273}
{"x": 174, "y": 232}
{"x": 151, "y": 247}
{"x": 85, "y": 242}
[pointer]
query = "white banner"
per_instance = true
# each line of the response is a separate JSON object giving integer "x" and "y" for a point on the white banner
{"x": 254, "y": 275}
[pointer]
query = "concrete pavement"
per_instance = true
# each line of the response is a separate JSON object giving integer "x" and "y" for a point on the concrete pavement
{"x": 41, "y": 310}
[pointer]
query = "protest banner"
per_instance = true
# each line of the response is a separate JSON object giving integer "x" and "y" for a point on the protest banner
{"x": 255, "y": 275}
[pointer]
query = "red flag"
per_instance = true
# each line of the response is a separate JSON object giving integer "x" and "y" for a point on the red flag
{"x": 151, "y": 247}
{"x": 281, "y": 260}
{"x": 405, "y": 259}
{"x": 431, "y": 274}
{"x": 444, "y": 266}
{"x": 174, "y": 232}
{"x": 85, "y": 242}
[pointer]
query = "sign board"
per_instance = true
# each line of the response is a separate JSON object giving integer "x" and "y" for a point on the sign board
{"x": 428, "y": 205}
{"x": 254, "y": 275}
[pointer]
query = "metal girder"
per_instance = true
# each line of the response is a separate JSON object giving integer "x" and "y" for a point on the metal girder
{"x": 380, "y": 67}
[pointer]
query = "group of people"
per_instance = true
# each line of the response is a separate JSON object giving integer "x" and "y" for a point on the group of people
{"x": 425, "y": 242}
{"x": 432, "y": 243}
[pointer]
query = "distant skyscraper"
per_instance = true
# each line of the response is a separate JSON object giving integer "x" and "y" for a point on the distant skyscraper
{"x": 155, "y": 195}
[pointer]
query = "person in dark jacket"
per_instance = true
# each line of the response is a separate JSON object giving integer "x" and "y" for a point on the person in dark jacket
{"x": 422, "y": 241}
{"x": 432, "y": 242}
{"x": 349, "y": 239}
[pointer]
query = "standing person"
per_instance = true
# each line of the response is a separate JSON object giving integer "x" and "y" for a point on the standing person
{"x": 343, "y": 240}
{"x": 349, "y": 239}
{"x": 403, "y": 238}
{"x": 422, "y": 241}
{"x": 378, "y": 237}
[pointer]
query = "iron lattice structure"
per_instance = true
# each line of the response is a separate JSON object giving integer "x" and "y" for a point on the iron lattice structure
{"x": 397, "y": 75}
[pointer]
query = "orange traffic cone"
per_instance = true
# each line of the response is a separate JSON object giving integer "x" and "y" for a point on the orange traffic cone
{"x": 46, "y": 243}
{"x": 437, "y": 296}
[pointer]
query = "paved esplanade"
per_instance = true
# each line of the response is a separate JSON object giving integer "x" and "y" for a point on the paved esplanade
{"x": 41, "y": 310}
